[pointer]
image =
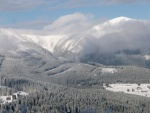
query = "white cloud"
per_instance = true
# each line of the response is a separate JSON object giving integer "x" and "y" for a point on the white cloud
{"x": 123, "y": 33}
{"x": 10, "y": 5}
{"x": 126, "y": 1}
{"x": 73, "y": 23}
{"x": 8, "y": 39}
{"x": 75, "y": 4}
{"x": 92, "y": 3}
{"x": 110, "y": 35}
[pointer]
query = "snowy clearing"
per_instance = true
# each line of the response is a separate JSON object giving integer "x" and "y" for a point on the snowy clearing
{"x": 13, "y": 97}
{"x": 147, "y": 57}
{"x": 109, "y": 70}
{"x": 136, "y": 89}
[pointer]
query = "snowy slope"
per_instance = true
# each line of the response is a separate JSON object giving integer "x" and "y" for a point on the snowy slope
{"x": 92, "y": 38}
{"x": 109, "y": 36}
{"x": 72, "y": 43}
{"x": 75, "y": 43}
{"x": 47, "y": 42}
{"x": 111, "y": 26}
{"x": 142, "y": 89}
{"x": 147, "y": 57}
{"x": 109, "y": 70}
{"x": 10, "y": 39}
{"x": 61, "y": 43}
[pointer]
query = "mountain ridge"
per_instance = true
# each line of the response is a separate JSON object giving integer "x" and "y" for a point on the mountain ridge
{"x": 115, "y": 36}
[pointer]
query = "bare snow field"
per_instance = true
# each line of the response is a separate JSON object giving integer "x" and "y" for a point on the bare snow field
{"x": 13, "y": 97}
{"x": 109, "y": 70}
{"x": 136, "y": 89}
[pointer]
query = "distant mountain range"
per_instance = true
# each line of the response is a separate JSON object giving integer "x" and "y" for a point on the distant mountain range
{"x": 120, "y": 41}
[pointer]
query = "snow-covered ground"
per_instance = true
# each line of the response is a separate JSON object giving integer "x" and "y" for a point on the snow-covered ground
{"x": 141, "y": 89}
{"x": 147, "y": 57}
{"x": 5, "y": 99}
{"x": 21, "y": 93}
{"x": 109, "y": 70}
{"x": 13, "y": 97}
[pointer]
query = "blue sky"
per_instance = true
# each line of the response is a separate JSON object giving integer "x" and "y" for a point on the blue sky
{"x": 35, "y": 14}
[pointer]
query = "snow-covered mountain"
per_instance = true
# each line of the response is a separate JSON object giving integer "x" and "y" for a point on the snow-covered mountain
{"x": 118, "y": 33}
{"x": 115, "y": 35}
{"x": 72, "y": 57}
{"x": 53, "y": 42}
{"x": 10, "y": 39}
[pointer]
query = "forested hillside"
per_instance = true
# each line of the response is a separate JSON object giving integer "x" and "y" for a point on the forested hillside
{"x": 60, "y": 86}
{"x": 52, "y": 98}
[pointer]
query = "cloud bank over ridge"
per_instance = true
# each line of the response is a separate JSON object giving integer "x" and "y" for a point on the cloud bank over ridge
{"x": 70, "y": 24}
{"x": 109, "y": 35}
{"x": 79, "y": 31}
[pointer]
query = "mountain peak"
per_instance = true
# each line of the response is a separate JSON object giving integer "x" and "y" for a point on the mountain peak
{"x": 119, "y": 20}
{"x": 112, "y": 22}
